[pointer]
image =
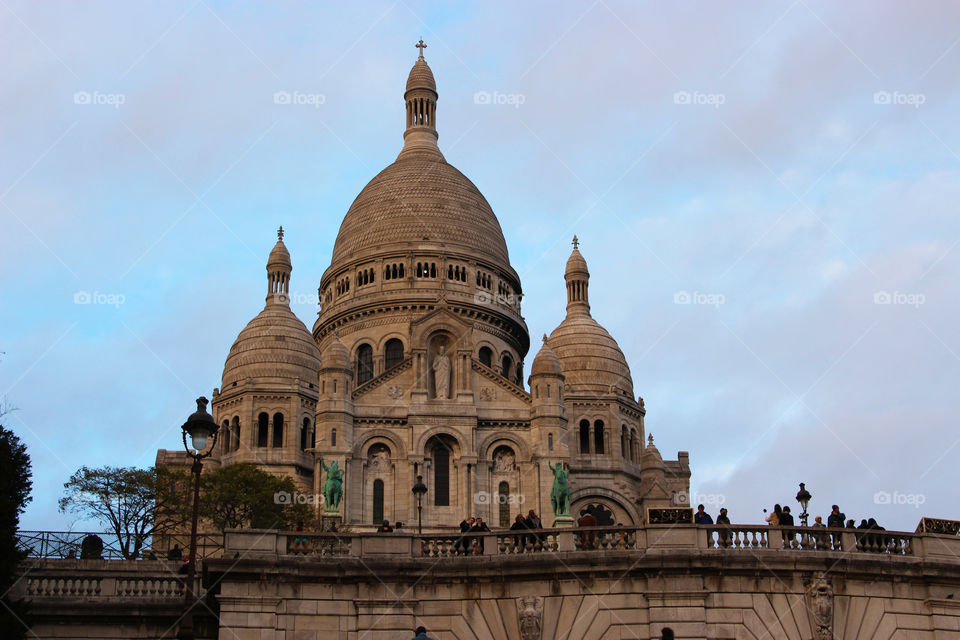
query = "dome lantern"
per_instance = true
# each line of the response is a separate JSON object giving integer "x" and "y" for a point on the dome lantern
{"x": 421, "y": 108}
{"x": 578, "y": 281}
{"x": 279, "y": 268}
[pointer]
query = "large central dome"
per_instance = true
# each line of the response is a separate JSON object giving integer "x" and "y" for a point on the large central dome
{"x": 417, "y": 201}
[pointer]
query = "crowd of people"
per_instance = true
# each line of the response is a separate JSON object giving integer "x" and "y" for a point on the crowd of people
{"x": 781, "y": 517}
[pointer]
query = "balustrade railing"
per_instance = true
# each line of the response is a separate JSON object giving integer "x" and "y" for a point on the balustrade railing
{"x": 750, "y": 537}
{"x": 59, "y": 581}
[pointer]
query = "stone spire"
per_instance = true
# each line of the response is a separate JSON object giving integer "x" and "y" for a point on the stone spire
{"x": 578, "y": 281}
{"x": 421, "y": 108}
{"x": 278, "y": 273}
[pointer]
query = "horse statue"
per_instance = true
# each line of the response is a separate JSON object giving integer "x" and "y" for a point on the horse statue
{"x": 333, "y": 485}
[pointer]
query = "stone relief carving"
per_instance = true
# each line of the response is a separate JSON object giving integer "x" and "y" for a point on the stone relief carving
{"x": 395, "y": 391}
{"x": 504, "y": 460}
{"x": 531, "y": 617}
{"x": 488, "y": 393}
{"x": 820, "y": 594}
{"x": 378, "y": 458}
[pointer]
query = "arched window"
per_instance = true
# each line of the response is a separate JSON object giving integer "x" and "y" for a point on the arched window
{"x": 433, "y": 270}
{"x": 364, "y": 363}
{"x": 393, "y": 353}
{"x": 519, "y": 376}
{"x": 304, "y": 434}
{"x": 278, "y": 430}
{"x": 584, "y": 436}
{"x": 624, "y": 443}
{"x": 598, "y": 436}
{"x": 263, "y": 433}
{"x": 377, "y": 501}
{"x": 503, "y": 501}
{"x": 549, "y": 442}
{"x": 236, "y": 432}
{"x": 225, "y": 434}
{"x": 634, "y": 450}
{"x": 507, "y": 366}
{"x": 486, "y": 357}
{"x": 441, "y": 474}
{"x": 401, "y": 270}
{"x": 333, "y": 437}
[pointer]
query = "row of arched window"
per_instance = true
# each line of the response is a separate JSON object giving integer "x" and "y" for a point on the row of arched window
{"x": 507, "y": 368}
{"x": 456, "y": 272}
{"x": 393, "y": 271}
{"x": 365, "y": 276}
{"x": 598, "y": 437}
{"x": 343, "y": 285}
{"x": 426, "y": 269}
{"x": 230, "y": 433}
{"x": 484, "y": 280}
{"x": 630, "y": 444}
{"x": 392, "y": 356}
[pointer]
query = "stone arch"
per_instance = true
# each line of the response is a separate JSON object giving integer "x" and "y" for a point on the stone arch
{"x": 382, "y": 436}
{"x": 490, "y": 443}
{"x": 616, "y": 502}
{"x": 392, "y": 335}
{"x": 440, "y": 431}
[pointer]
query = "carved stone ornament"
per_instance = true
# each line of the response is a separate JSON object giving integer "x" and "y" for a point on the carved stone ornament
{"x": 820, "y": 595}
{"x": 531, "y": 617}
{"x": 487, "y": 393}
{"x": 395, "y": 391}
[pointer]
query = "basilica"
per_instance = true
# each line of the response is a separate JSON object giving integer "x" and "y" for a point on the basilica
{"x": 415, "y": 363}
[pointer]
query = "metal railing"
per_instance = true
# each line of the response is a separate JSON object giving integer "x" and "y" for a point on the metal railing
{"x": 69, "y": 544}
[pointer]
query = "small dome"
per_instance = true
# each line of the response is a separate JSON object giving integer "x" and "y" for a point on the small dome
{"x": 275, "y": 344}
{"x": 546, "y": 362}
{"x": 336, "y": 356}
{"x": 279, "y": 256}
{"x": 421, "y": 77}
{"x": 591, "y": 359}
{"x": 651, "y": 458}
{"x": 576, "y": 264}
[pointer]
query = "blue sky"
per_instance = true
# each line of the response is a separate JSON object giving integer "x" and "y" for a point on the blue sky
{"x": 786, "y": 164}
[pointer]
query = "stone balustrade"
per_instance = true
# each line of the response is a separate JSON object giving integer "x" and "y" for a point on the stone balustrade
{"x": 713, "y": 538}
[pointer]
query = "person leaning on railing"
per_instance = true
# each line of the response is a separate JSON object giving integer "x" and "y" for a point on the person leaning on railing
{"x": 723, "y": 525}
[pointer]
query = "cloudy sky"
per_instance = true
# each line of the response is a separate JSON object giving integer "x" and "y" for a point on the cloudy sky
{"x": 788, "y": 169}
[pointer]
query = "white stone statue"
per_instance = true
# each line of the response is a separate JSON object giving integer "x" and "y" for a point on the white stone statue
{"x": 441, "y": 374}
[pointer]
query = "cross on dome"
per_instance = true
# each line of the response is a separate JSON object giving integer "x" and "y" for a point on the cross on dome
{"x": 576, "y": 243}
{"x": 280, "y": 233}
{"x": 420, "y": 45}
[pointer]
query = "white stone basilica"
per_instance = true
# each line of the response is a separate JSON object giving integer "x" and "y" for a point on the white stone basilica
{"x": 415, "y": 367}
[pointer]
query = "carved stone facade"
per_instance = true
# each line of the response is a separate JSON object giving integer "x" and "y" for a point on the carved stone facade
{"x": 417, "y": 354}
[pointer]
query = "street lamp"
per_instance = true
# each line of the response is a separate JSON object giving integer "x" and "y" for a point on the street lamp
{"x": 418, "y": 490}
{"x": 201, "y": 428}
{"x": 803, "y": 497}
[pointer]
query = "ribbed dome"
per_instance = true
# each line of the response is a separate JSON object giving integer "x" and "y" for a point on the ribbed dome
{"x": 591, "y": 359}
{"x": 546, "y": 362}
{"x": 576, "y": 264}
{"x": 420, "y": 201}
{"x": 279, "y": 256}
{"x": 421, "y": 77}
{"x": 275, "y": 344}
{"x": 651, "y": 459}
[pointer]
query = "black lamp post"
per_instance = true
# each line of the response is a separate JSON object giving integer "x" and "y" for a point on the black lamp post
{"x": 418, "y": 490}
{"x": 202, "y": 429}
{"x": 803, "y": 497}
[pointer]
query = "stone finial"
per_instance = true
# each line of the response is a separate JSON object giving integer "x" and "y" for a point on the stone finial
{"x": 576, "y": 242}
{"x": 420, "y": 45}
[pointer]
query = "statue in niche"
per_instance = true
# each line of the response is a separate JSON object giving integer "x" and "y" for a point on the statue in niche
{"x": 379, "y": 458}
{"x": 441, "y": 374}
